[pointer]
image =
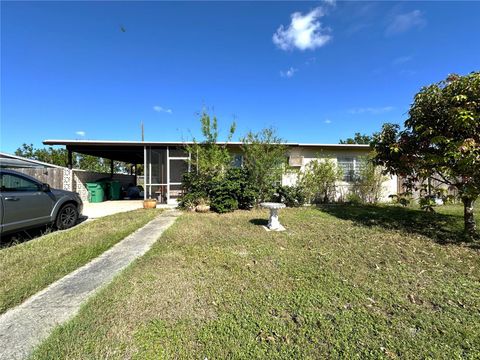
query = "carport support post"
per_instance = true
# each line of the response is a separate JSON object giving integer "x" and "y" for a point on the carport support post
{"x": 111, "y": 168}
{"x": 144, "y": 173}
{"x": 68, "y": 180}
{"x": 168, "y": 175}
{"x": 70, "y": 161}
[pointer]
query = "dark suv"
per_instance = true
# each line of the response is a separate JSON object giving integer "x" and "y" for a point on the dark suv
{"x": 27, "y": 203}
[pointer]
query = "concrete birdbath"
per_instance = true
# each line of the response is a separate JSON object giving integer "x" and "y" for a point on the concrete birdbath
{"x": 273, "y": 223}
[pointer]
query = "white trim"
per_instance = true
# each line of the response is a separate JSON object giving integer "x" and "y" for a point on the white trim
{"x": 182, "y": 143}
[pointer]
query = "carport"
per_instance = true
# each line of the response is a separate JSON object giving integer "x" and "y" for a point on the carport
{"x": 164, "y": 163}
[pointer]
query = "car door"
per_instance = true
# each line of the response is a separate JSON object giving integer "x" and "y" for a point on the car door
{"x": 24, "y": 204}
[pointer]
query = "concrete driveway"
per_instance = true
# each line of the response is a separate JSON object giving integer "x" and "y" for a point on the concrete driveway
{"x": 96, "y": 210}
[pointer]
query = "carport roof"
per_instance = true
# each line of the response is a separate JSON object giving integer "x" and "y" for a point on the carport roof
{"x": 132, "y": 151}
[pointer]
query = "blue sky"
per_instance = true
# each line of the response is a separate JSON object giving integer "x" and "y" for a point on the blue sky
{"x": 316, "y": 71}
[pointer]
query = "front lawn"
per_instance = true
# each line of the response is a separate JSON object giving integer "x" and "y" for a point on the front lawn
{"x": 31, "y": 266}
{"x": 341, "y": 282}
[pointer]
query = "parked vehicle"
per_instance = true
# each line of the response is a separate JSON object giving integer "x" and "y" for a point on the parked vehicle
{"x": 27, "y": 203}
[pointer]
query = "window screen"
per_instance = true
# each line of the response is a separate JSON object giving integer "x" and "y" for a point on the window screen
{"x": 237, "y": 161}
{"x": 350, "y": 168}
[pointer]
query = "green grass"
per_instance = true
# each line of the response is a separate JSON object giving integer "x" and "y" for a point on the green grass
{"x": 31, "y": 266}
{"x": 341, "y": 282}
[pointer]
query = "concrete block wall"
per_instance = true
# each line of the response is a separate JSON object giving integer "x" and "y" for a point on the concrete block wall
{"x": 80, "y": 178}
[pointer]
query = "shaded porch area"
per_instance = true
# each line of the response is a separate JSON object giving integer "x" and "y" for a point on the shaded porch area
{"x": 157, "y": 167}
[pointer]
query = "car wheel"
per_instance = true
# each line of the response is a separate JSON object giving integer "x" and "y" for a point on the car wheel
{"x": 67, "y": 217}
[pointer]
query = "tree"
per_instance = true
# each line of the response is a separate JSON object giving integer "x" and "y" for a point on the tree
{"x": 357, "y": 139}
{"x": 369, "y": 184}
{"x": 49, "y": 155}
{"x": 264, "y": 158}
{"x": 440, "y": 140}
{"x": 319, "y": 179}
{"x": 60, "y": 157}
{"x": 209, "y": 158}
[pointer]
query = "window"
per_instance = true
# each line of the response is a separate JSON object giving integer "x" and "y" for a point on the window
{"x": 350, "y": 167}
{"x": 237, "y": 161}
{"x": 11, "y": 182}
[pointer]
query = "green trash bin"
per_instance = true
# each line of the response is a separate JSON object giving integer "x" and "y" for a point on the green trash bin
{"x": 96, "y": 192}
{"x": 115, "y": 190}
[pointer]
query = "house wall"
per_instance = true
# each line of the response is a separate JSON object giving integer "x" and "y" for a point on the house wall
{"x": 303, "y": 155}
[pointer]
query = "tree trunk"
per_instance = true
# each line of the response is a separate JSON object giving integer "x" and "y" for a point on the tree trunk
{"x": 470, "y": 226}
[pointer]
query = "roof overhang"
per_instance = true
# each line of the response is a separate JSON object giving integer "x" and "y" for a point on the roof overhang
{"x": 132, "y": 151}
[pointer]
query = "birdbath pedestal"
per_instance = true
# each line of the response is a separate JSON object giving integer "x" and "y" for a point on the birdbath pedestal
{"x": 273, "y": 223}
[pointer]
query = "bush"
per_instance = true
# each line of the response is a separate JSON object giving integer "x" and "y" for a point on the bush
{"x": 354, "y": 199}
{"x": 223, "y": 197}
{"x": 403, "y": 199}
{"x": 291, "y": 196}
{"x": 319, "y": 179}
{"x": 265, "y": 158}
{"x": 368, "y": 186}
{"x": 245, "y": 193}
{"x": 427, "y": 203}
{"x": 229, "y": 193}
{"x": 223, "y": 203}
{"x": 195, "y": 188}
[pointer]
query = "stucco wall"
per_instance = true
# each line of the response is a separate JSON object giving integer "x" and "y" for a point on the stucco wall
{"x": 307, "y": 154}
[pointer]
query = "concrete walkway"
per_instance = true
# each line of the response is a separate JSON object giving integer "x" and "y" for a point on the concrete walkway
{"x": 27, "y": 325}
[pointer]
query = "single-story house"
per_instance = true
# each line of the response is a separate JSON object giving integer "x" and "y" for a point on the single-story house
{"x": 166, "y": 162}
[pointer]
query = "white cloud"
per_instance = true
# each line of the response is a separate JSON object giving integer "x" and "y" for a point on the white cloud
{"x": 305, "y": 32}
{"x": 161, "y": 109}
{"x": 401, "y": 60}
{"x": 328, "y": 121}
{"x": 80, "y": 133}
{"x": 371, "y": 110}
{"x": 405, "y": 22}
{"x": 288, "y": 73}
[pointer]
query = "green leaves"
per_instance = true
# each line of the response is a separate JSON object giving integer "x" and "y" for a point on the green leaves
{"x": 319, "y": 179}
{"x": 265, "y": 158}
{"x": 441, "y": 136}
{"x": 208, "y": 157}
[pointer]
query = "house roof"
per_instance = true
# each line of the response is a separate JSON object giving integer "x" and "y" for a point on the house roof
{"x": 14, "y": 161}
{"x": 132, "y": 151}
{"x": 182, "y": 143}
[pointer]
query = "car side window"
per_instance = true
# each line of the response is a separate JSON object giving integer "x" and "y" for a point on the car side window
{"x": 11, "y": 182}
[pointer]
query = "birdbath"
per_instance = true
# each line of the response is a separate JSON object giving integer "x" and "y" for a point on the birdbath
{"x": 273, "y": 223}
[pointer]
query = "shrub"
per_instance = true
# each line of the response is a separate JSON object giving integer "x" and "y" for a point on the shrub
{"x": 223, "y": 196}
{"x": 403, "y": 199}
{"x": 209, "y": 158}
{"x": 427, "y": 203}
{"x": 245, "y": 192}
{"x": 354, "y": 199}
{"x": 319, "y": 179}
{"x": 265, "y": 160}
{"x": 291, "y": 196}
{"x": 369, "y": 185}
{"x": 195, "y": 187}
{"x": 233, "y": 192}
